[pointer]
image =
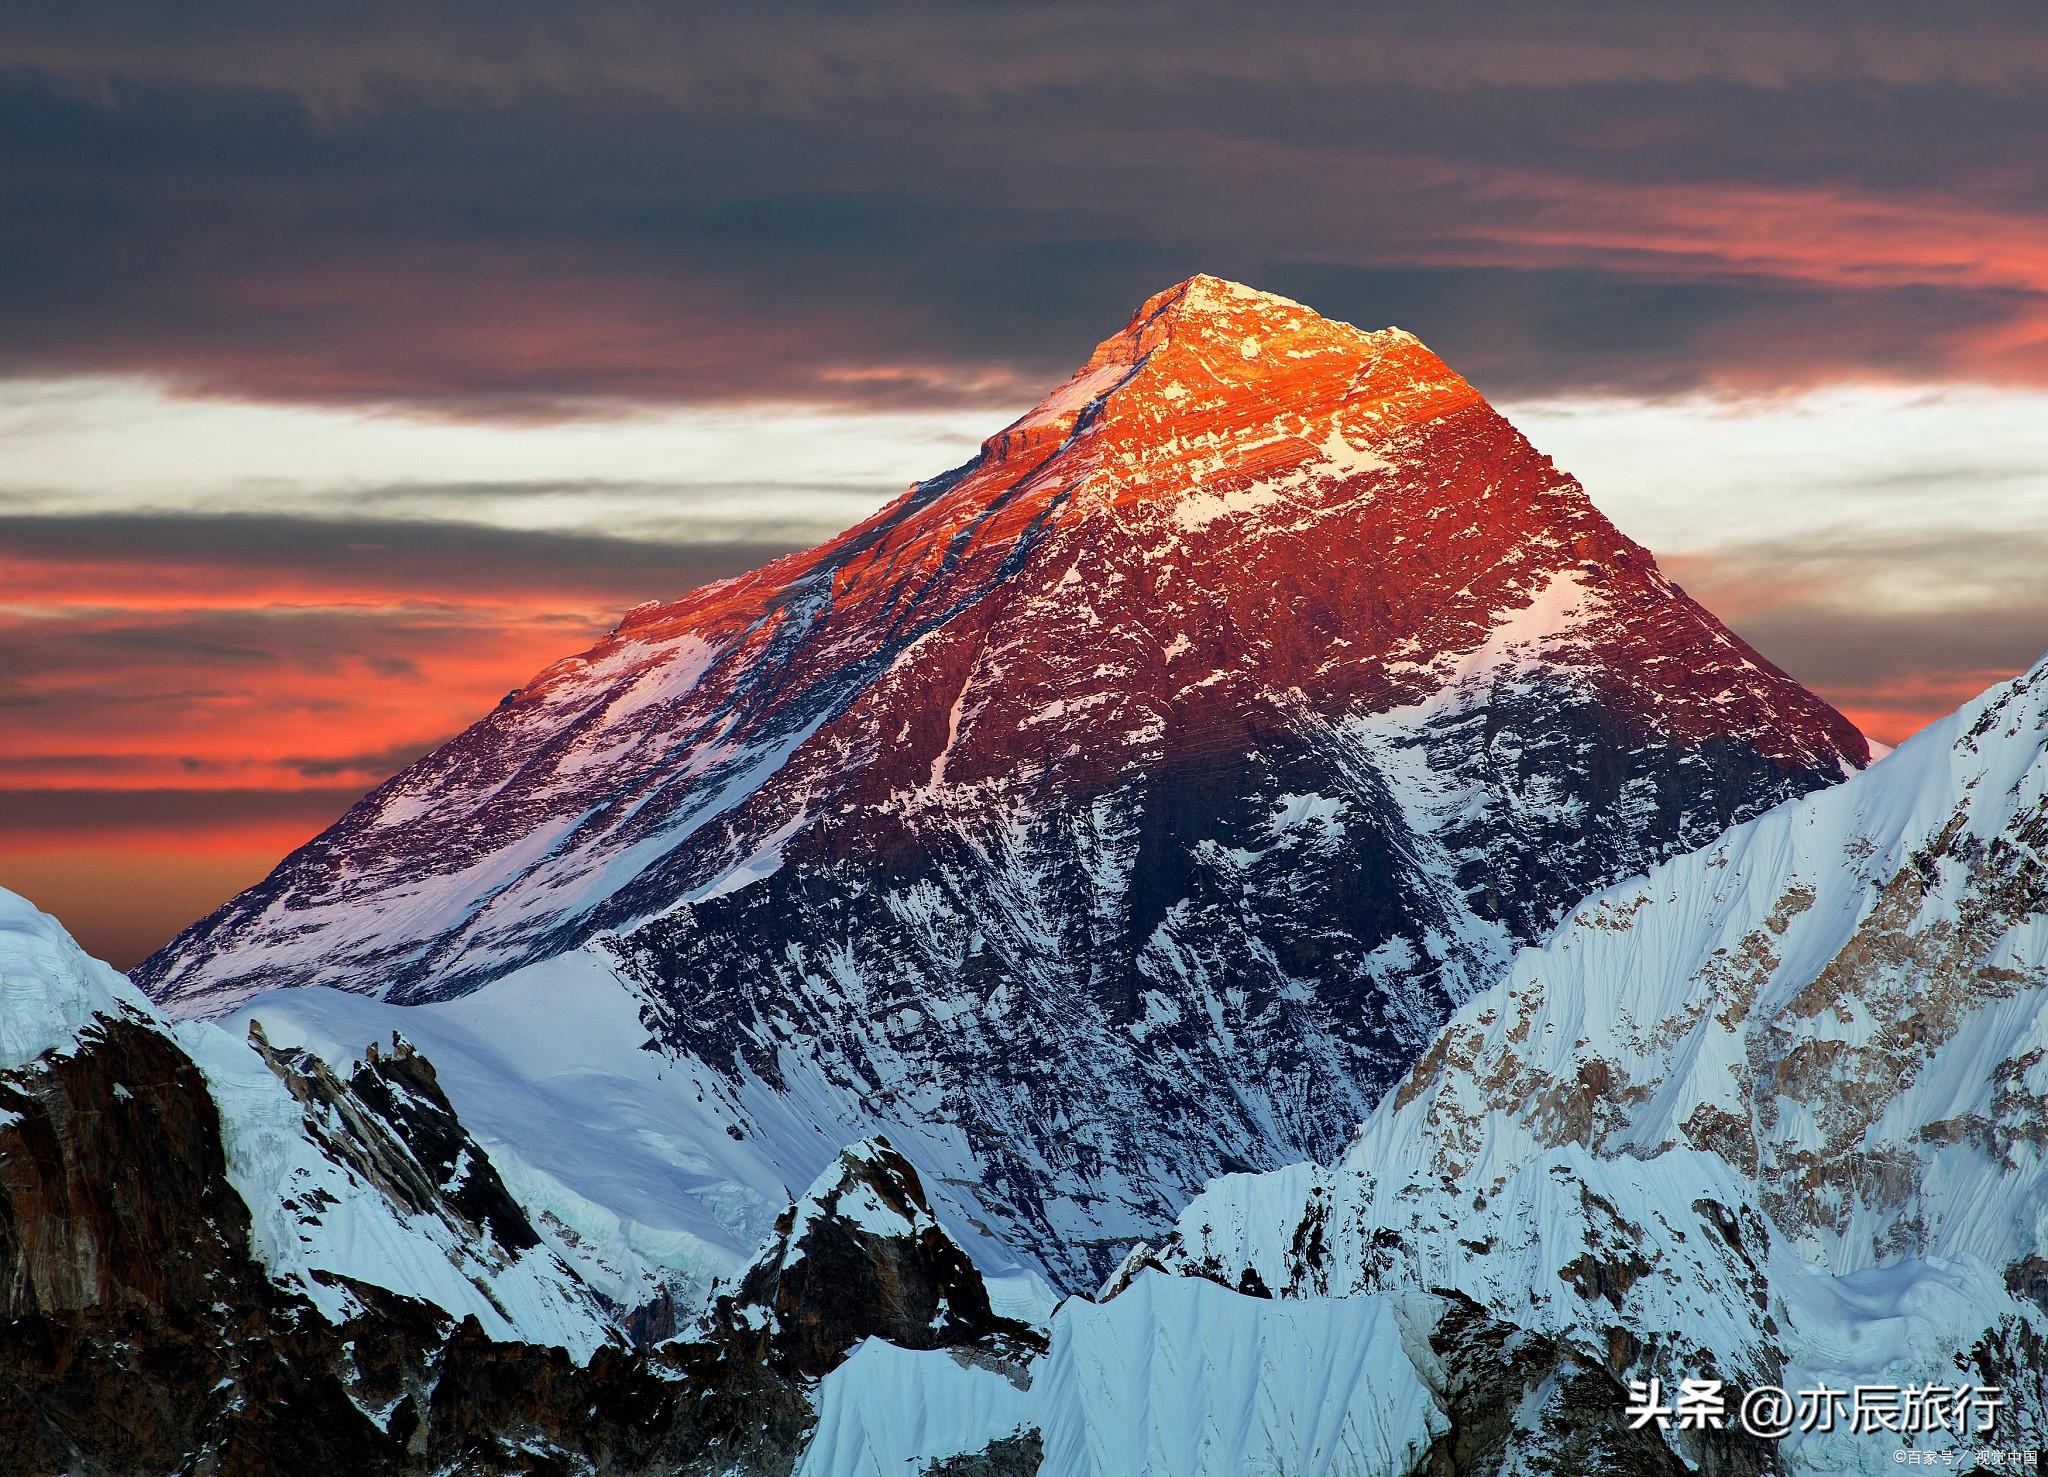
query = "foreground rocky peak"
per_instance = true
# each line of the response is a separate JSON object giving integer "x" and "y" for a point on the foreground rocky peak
{"x": 229, "y": 1256}
{"x": 860, "y": 1255}
{"x": 1229, "y": 719}
{"x": 335, "y": 1177}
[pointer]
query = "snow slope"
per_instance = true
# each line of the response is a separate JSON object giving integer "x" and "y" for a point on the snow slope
{"x": 623, "y": 1157}
{"x": 1175, "y": 1378}
{"x": 50, "y": 989}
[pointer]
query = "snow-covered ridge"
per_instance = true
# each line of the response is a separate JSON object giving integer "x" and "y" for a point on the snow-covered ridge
{"x": 50, "y": 989}
{"x": 1846, "y": 998}
{"x": 1773, "y": 1113}
{"x": 315, "y": 1214}
{"x": 1176, "y": 1378}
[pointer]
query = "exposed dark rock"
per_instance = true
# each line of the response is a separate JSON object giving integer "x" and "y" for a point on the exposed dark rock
{"x": 1012, "y": 1456}
{"x": 860, "y": 1256}
{"x": 141, "y": 1334}
{"x": 392, "y": 1124}
{"x": 1495, "y": 1375}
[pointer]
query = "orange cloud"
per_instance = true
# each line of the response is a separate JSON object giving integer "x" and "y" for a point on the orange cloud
{"x": 178, "y": 724}
{"x": 139, "y": 793}
{"x": 1822, "y": 237}
{"x": 1891, "y": 671}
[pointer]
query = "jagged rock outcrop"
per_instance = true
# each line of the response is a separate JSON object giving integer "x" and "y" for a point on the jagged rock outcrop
{"x": 391, "y": 1123}
{"x": 1520, "y": 1403}
{"x": 859, "y": 1256}
{"x": 1227, "y": 721}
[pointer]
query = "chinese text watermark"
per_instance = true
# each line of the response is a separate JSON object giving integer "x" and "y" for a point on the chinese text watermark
{"x": 1771, "y": 1412}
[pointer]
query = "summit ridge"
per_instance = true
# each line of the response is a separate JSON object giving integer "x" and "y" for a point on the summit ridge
{"x": 1209, "y": 347}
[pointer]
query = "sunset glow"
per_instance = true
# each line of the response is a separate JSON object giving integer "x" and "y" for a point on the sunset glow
{"x": 362, "y": 372}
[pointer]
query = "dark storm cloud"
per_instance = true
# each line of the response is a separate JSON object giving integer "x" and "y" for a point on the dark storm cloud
{"x": 527, "y": 211}
{"x": 798, "y": 50}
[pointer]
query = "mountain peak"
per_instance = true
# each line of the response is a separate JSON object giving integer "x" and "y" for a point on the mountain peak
{"x": 1205, "y": 305}
{"x": 1259, "y": 331}
{"x": 1224, "y": 723}
{"x": 1219, "y": 356}
{"x": 1204, "y": 293}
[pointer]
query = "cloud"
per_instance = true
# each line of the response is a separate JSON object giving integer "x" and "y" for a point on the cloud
{"x": 190, "y": 560}
{"x": 808, "y": 52}
{"x": 380, "y": 762}
{"x": 563, "y": 217}
{"x": 1828, "y": 611}
{"x": 232, "y": 654}
{"x": 140, "y": 810}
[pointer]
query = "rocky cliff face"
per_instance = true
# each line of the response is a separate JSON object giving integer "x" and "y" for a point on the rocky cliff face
{"x": 1212, "y": 735}
{"x": 149, "y": 1323}
{"x": 137, "y": 1330}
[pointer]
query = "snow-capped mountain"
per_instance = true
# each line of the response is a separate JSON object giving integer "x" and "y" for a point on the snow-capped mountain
{"x": 1549, "y": 1208}
{"x": 1775, "y": 1114}
{"x": 1127, "y": 804}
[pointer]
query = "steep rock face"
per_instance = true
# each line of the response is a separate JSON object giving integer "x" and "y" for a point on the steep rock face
{"x": 74, "y": 1238}
{"x": 1517, "y": 1402}
{"x": 137, "y": 1331}
{"x": 1216, "y": 731}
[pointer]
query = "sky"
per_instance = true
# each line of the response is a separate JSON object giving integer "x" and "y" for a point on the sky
{"x": 358, "y": 362}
